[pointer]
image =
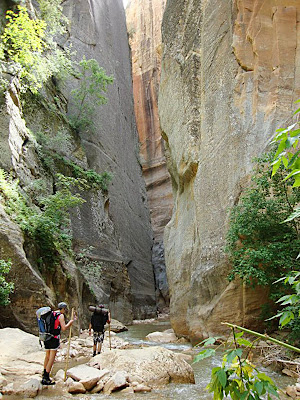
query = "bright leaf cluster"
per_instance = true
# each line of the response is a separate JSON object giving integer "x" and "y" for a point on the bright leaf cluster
{"x": 23, "y": 40}
{"x": 288, "y": 151}
{"x": 237, "y": 377}
{"x": 5, "y": 287}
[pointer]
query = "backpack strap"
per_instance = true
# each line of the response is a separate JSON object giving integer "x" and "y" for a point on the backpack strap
{"x": 57, "y": 326}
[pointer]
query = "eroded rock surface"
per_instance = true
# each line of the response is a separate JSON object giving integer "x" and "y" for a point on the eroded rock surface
{"x": 218, "y": 109}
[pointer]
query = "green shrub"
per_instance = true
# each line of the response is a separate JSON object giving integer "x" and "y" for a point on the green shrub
{"x": 48, "y": 225}
{"x": 261, "y": 249}
{"x": 93, "y": 83}
{"x": 5, "y": 287}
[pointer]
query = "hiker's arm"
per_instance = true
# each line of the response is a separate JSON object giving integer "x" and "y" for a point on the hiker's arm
{"x": 90, "y": 329}
{"x": 108, "y": 321}
{"x": 63, "y": 325}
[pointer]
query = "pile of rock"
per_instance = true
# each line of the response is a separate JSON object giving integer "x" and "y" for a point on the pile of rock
{"x": 84, "y": 378}
{"x": 134, "y": 370}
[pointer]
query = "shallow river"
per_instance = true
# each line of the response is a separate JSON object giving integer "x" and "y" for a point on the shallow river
{"x": 136, "y": 335}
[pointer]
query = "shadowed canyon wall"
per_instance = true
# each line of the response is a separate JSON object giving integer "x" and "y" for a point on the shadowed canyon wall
{"x": 114, "y": 226}
{"x": 230, "y": 75}
{"x": 144, "y": 30}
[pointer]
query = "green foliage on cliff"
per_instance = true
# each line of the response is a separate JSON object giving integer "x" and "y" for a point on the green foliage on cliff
{"x": 47, "y": 223}
{"x": 28, "y": 49}
{"x": 93, "y": 82}
{"x": 23, "y": 45}
{"x": 49, "y": 149}
{"x": 51, "y": 12}
{"x": 261, "y": 249}
{"x": 6, "y": 288}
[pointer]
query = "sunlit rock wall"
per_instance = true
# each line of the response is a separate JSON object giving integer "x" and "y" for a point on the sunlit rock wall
{"x": 230, "y": 75}
{"x": 144, "y": 30}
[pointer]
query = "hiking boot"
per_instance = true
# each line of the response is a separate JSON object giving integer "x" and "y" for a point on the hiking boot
{"x": 94, "y": 354}
{"x": 47, "y": 381}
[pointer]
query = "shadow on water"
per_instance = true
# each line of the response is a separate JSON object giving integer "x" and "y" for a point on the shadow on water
{"x": 136, "y": 336}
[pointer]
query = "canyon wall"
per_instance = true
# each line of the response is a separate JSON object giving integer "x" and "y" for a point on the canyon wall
{"x": 230, "y": 75}
{"x": 113, "y": 229}
{"x": 144, "y": 30}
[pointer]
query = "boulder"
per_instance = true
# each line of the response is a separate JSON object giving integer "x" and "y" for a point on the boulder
{"x": 116, "y": 326}
{"x": 117, "y": 381}
{"x": 15, "y": 343}
{"x": 76, "y": 387}
{"x": 127, "y": 390}
{"x": 84, "y": 372}
{"x": 98, "y": 387}
{"x": 30, "y": 388}
{"x": 3, "y": 381}
{"x": 162, "y": 337}
{"x": 134, "y": 379}
{"x": 292, "y": 392}
{"x": 141, "y": 388}
{"x": 89, "y": 383}
{"x": 156, "y": 366}
{"x": 60, "y": 375}
{"x": 69, "y": 381}
{"x": 8, "y": 389}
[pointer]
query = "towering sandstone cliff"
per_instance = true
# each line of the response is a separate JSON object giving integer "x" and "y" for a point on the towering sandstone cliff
{"x": 144, "y": 29}
{"x": 230, "y": 75}
{"x": 114, "y": 227}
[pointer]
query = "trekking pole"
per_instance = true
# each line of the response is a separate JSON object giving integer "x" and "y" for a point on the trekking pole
{"x": 109, "y": 336}
{"x": 109, "y": 332}
{"x": 68, "y": 351}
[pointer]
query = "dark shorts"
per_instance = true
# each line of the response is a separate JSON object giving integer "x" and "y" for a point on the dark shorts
{"x": 98, "y": 337}
{"x": 52, "y": 344}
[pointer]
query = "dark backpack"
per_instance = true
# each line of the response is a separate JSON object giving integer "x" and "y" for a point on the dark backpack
{"x": 99, "y": 319}
{"x": 48, "y": 323}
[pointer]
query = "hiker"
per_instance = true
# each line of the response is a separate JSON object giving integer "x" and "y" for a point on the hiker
{"x": 100, "y": 317}
{"x": 53, "y": 344}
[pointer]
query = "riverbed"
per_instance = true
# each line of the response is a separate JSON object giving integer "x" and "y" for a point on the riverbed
{"x": 136, "y": 336}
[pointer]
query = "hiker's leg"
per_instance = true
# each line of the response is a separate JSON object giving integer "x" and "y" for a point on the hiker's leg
{"x": 51, "y": 360}
{"x": 47, "y": 355}
{"x": 101, "y": 338}
{"x": 99, "y": 347}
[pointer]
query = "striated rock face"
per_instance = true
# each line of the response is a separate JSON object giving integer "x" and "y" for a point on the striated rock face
{"x": 114, "y": 227}
{"x": 99, "y": 31}
{"x": 230, "y": 74}
{"x": 144, "y": 30}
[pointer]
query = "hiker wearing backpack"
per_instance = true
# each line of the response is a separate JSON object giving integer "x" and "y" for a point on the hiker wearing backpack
{"x": 100, "y": 317}
{"x": 52, "y": 343}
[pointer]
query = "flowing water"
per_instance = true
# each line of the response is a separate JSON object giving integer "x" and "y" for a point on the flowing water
{"x": 136, "y": 336}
